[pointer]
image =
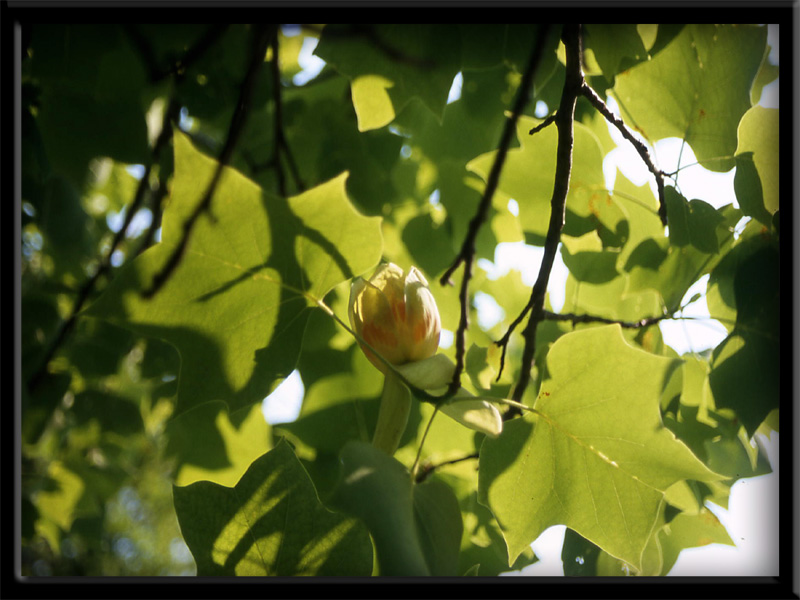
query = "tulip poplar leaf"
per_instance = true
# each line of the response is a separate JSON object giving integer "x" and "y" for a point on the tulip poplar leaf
{"x": 716, "y": 66}
{"x": 238, "y": 302}
{"x": 270, "y": 523}
{"x": 596, "y": 456}
{"x": 414, "y": 62}
{"x": 416, "y": 528}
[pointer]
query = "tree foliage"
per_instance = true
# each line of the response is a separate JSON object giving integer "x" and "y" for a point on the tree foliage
{"x": 195, "y": 206}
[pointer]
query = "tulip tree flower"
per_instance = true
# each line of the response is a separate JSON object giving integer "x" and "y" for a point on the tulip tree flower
{"x": 397, "y": 324}
{"x": 396, "y": 315}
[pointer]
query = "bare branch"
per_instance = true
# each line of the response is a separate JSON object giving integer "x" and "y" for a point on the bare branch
{"x": 158, "y": 73}
{"x": 543, "y": 124}
{"x": 281, "y": 144}
{"x": 564, "y": 122}
{"x": 426, "y": 469}
{"x": 86, "y": 289}
{"x": 467, "y": 253}
{"x": 573, "y": 318}
{"x": 598, "y": 103}
{"x": 262, "y": 36}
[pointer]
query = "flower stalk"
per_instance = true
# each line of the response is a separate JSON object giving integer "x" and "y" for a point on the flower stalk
{"x": 392, "y": 415}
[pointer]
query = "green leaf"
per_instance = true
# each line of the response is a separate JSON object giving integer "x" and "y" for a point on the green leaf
{"x": 434, "y": 374}
{"x": 747, "y": 185}
{"x": 210, "y": 444}
{"x": 400, "y": 62}
{"x": 766, "y": 75}
{"x": 697, "y": 88}
{"x": 482, "y": 543}
{"x": 416, "y": 528}
{"x": 372, "y": 101}
{"x": 690, "y": 531}
{"x": 616, "y": 47}
{"x": 237, "y": 304}
{"x": 579, "y": 555}
{"x": 529, "y": 171}
{"x": 270, "y": 523}
{"x": 586, "y": 259}
{"x": 59, "y": 500}
{"x": 759, "y": 134}
{"x": 746, "y": 365}
{"x": 349, "y": 398}
{"x": 693, "y": 222}
{"x": 596, "y": 456}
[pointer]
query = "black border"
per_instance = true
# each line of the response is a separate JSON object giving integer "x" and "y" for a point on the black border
{"x": 15, "y": 12}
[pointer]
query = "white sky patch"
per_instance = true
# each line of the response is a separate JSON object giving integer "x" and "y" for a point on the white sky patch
{"x": 490, "y": 313}
{"x": 513, "y": 207}
{"x": 141, "y": 221}
{"x": 446, "y": 339}
{"x": 547, "y": 549}
{"x": 697, "y": 332}
{"x": 137, "y": 171}
{"x": 311, "y": 65}
{"x": 752, "y": 523}
{"x": 455, "y": 89}
{"x": 283, "y": 404}
{"x": 527, "y": 260}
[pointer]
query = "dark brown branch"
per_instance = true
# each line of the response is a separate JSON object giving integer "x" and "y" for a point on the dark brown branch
{"x": 598, "y": 103}
{"x": 573, "y": 318}
{"x": 426, "y": 469}
{"x": 158, "y": 73}
{"x": 262, "y": 36}
{"x": 543, "y": 124}
{"x": 86, "y": 289}
{"x": 564, "y": 122}
{"x": 467, "y": 253}
{"x": 281, "y": 143}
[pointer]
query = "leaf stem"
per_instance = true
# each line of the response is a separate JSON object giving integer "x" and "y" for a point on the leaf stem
{"x": 415, "y": 467}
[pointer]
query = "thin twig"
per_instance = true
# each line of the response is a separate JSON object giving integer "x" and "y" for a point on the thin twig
{"x": 179, "y": 67}
{"x": 426, "y": 469}
{"x": 281, "y": 143}
{"x": 86, "y": 289}
{"x": 543, "y": 124}
{"x": 467, "y": 253}
{"x": 573, "y": 318}
{"x": 564, "y": 122}
{"x": 262, "y": 36}
{"x": 641, "y": 149}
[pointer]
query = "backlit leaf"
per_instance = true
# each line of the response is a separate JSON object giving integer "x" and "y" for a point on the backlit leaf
{"x": 270, "y": 523}
{"x": 595, "y": 456}
{"x": 237, "y": 304}
{"x": 696, "y": 88}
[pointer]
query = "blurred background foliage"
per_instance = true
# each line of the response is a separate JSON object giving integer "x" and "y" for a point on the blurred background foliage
{"x": 101, "y": 448}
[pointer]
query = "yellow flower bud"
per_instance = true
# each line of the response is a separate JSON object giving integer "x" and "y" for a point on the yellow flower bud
{"x": 396, "y": 314}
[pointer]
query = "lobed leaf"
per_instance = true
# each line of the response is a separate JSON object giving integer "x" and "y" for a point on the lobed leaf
{"x": 270, "y": 523}
{"x": 237, "y": 304}
{"x": 595, "y": 456}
